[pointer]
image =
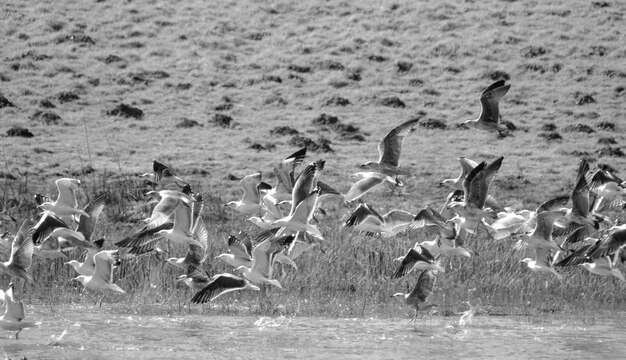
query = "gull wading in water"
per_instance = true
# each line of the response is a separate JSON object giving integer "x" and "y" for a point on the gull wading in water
{"x": 420, "y": 293}
{"x": 13, "y": 318}
{"x": 489, "y": 118}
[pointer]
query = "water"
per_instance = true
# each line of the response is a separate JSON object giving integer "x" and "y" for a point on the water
{"x": 92, "y": 333}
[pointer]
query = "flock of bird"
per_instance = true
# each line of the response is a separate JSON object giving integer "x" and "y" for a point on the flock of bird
{"x": 287, "y": 216}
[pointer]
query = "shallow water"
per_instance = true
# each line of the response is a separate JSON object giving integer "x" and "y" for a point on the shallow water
{"x": 91, "y": 333}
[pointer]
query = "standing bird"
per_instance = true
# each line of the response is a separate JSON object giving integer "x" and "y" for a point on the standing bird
{"x": 420, "y": 293}
{"x": 13, "y": 318}
{"x": 489, "y": 118}
{"x": 21, "y": 255}
{"x": 102, "y": 278}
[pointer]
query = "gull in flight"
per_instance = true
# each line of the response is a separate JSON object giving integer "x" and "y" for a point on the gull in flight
{"x": 285, "y": 179}
{"x": 420, "y": 293}
{"x": 221, "y": 284}
{"x": 600, "y": 256}
{"x": 386, "y": 168}
{"x": 305, "y": 194}
{"x": 418, "y": 257}
{"x": 389, "y": 149}
{"x": 163, "y": 174}
{"x": 88, "y": 266}
{"x": 66, "y": 204}
{"x": 467, "y": 166}
{"x": 264, "y": 255}
{"x": 543, "y": 262}
{"x": 21, "y": 257}
{"x": 13, "y": 318}
{"x": 365, "y": 218}
{"x": 489, "y": 118}
{"x": 102, "y": 278}
{"x": 367, "y": 181}
{"x": 475, "y": 191}
{"x": 250, "y": 202}
{"x": 240, "y": 252}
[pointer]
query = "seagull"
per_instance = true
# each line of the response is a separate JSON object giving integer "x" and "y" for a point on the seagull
{"x": 263, "y": 253}
{"x": 221, "y": 284}
{"x": 604, "y": 266}
{"x": 240, "y": 252}
{"x": 163, "y": 174}
{"x": 21, "y": 255}
{"x": 169, "y": 201}
{"x": 365, "y": 218}
{"x": 102, "y": 278}
{"x": 467, "y": 166}
{"x": 195, "y": 279}
{"x": 389, "y": 149}
{"x": 418, "y": 257}
{"x": 510, "y": 223}
{"x": 304, "y": 195}
{"x": 489, "y": 118}
{"x": 367, "y": 181}
{"x": 475, "y": 191}
{"x": 88, "y": 266}
{"x": 66, "y": 204}
{"x": 250, "y": 202}
{"x": 272, "y": 213}
{"x": 13, "y": 318}
{"x": 285, "y": 179}
{"x": 196, "y": 254}
{"x": 420, "y": 293}
{"x": 542, "y": 263}
{"x": 51, "y": 226}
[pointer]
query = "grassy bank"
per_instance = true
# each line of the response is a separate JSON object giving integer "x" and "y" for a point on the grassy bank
{"x": 210, "y": 84}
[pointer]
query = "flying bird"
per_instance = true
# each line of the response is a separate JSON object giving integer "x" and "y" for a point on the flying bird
{"x": 389, "y": 149}
{"x": 489, "y": 118}
{"x": 102, "y": 278}
{"x": 219, "y": 285}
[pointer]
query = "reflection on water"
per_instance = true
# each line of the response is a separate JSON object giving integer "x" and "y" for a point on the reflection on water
{"x": 71, "y": 333}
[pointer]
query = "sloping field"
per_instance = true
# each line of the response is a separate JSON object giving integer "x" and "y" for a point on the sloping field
{"x": 105, "y": 86}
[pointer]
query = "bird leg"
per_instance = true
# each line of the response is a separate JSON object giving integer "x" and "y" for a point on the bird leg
{"x": 17, "y": 333}
{"x": 100, "y": 301}
{"x": 412, "y": 321}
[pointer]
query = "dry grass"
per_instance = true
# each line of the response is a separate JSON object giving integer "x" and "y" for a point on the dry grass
{"x": 281, "y": 64}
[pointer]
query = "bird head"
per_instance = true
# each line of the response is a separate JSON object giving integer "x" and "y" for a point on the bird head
{"x": 81, "y": 279}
